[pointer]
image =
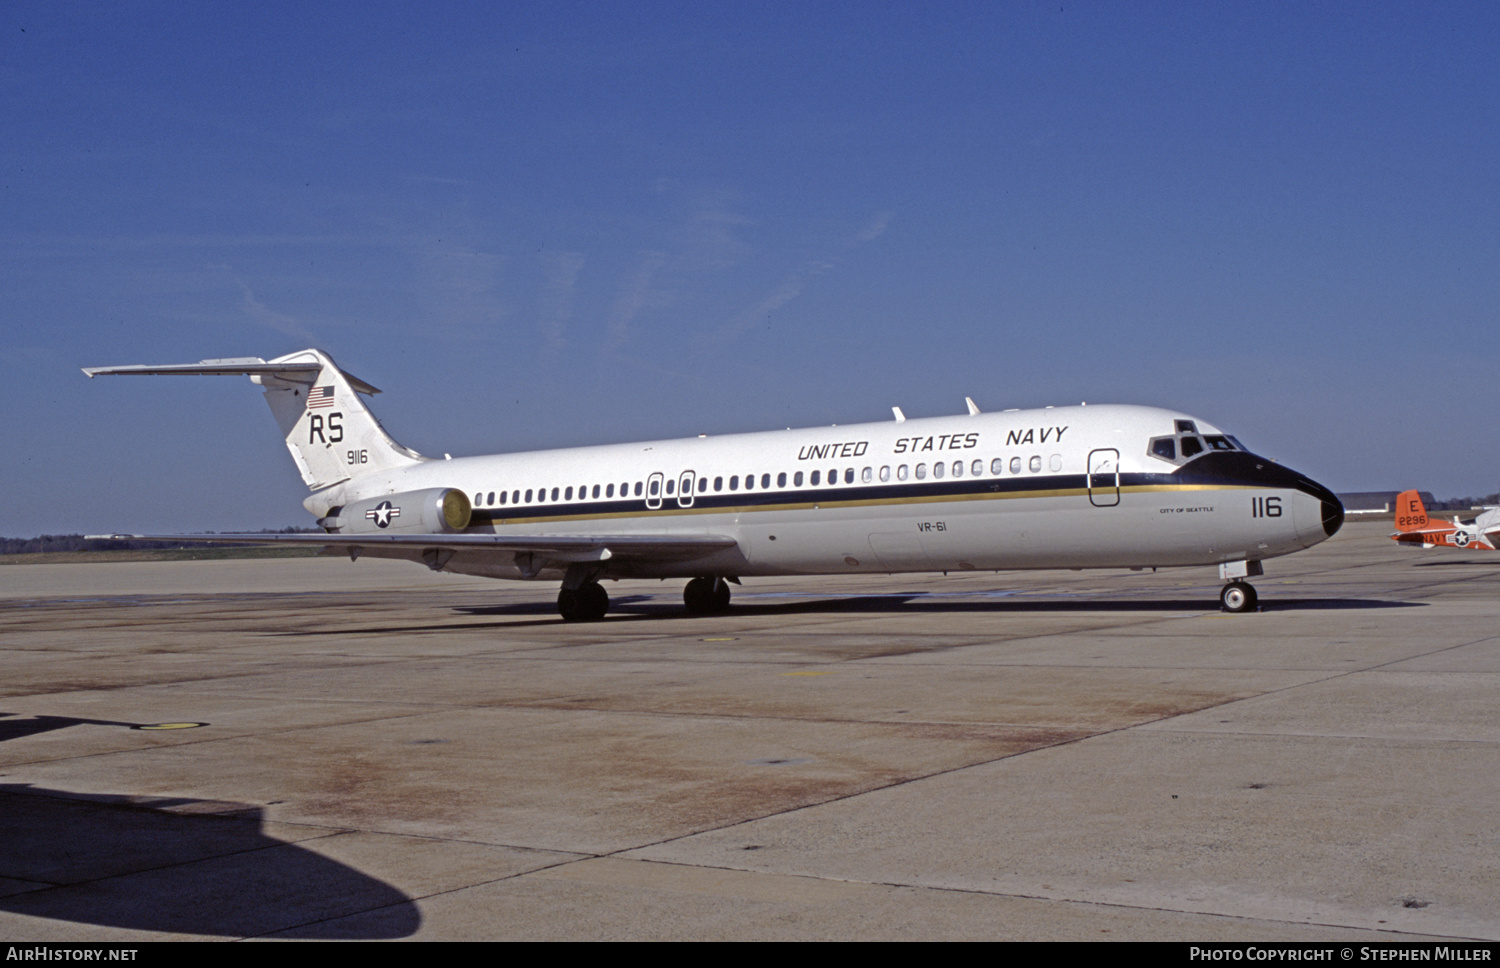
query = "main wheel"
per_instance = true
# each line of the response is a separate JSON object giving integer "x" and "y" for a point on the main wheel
{"x": 596, "y": 601}
{"x": 1238, "y": 596}
{"x": 720, "y": 595}
{"x": 586, "y": 603}
{"x": 698, "y": 596}
{"x": 706, "y": 596}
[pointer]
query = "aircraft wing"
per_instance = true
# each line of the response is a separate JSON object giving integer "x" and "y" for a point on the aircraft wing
{"x": 551, "y": 548}
{"x": 1488, "y": 525}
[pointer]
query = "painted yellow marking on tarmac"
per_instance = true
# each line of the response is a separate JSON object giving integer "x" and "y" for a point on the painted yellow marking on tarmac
{"x": 722, "y": 638}
{"x": 807, "y": 673}
{"x": 171, "y": 726}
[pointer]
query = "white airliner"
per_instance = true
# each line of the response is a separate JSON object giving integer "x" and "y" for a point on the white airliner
{"x": 1065, "y": 487}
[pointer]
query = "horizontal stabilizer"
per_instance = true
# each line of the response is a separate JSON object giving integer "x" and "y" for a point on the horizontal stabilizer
{"x": 300, "y": 372}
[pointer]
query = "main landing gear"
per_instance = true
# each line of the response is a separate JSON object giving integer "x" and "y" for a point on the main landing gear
{"x": 586, "y": 603}
{"x": 706, "y": 596}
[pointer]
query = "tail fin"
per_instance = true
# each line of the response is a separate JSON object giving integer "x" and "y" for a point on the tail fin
{"x": 330, "y": 432}
{"x": 1411, "y": 513}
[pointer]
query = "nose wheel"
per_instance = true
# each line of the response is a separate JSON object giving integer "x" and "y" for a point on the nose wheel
{"x": 1238, "y": 596}
{"x": 586, "y": 603}
{"x": 706, "y": 596}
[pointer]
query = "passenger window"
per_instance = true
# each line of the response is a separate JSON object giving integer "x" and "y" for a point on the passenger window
{"x": 1035, "y": 463}
{"x": 609, "y": 491}
{"x": 1055, "y": 462}
{"x": 997, "y": 466}
{"x": 765, "y": 480}
{"x": 638, "y": 489}
{"x": 502, "y": 497}
{"x": 528, "y": 495}
{"x": 867, "y": 475}
{"x": 921, "y": 472}
{"x": 671, "y": 486}
{"x": 569, "y": 495}
{"x": 958, "y": 468}
{"x": 901, "y": 473}
{"x": 749, "y": 482}
{"x": 1191, "y": 446}
{"x": 1015, "y": 465}
{"x": 515, "y": 497}
{"x": 478, "y": 498}
{"x": 702, "y": 485}
{"x": 554, "y": 494}
{"x": 797, "y": 479}
{"x": 885, "y": 473}
{"x": 718, "y": 483}
{"x": 596, "y": 491}
{"x": 781, "y": 479}
{"x": 1165, "y": 448}
{"x": 977, "y": 469}
{"x": 816, "y": 478}
{"x": 849, "y": 475}
{"x": 654, "y": 485}
{"x": 734, "y": 483}
{"x": 833, "y": 477}
{"x": 937, "y": 471}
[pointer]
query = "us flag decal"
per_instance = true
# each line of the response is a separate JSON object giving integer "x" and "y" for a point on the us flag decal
{"x": 319, "y": 397}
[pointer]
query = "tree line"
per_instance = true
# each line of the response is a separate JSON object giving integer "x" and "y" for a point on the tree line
{"x": 76, "y": 542}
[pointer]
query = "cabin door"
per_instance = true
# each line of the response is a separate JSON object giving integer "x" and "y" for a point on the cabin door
{"x": 685, "y": 490}
{"x": 1104, "y": 477}
{"x": 653, "y": 491}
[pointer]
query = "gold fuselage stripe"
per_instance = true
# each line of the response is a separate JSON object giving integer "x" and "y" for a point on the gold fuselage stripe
{"x": 676, "y": 511}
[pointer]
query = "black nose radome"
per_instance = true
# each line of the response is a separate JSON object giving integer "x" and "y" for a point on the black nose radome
{"x": 1333, "y": 515}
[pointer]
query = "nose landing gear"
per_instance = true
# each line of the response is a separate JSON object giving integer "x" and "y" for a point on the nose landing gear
{"x": 1238, "y": 596}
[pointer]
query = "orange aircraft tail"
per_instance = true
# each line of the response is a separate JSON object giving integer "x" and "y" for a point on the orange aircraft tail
{"x": 1411, "y": 514}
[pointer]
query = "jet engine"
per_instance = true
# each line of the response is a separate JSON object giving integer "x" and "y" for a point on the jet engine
{"x": 434, "y": 510}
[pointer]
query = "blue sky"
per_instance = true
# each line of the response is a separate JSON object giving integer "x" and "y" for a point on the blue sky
{"x": 539, "y": 225}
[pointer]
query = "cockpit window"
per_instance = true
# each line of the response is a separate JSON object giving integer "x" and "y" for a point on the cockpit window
{"x": 1187, "y": 444}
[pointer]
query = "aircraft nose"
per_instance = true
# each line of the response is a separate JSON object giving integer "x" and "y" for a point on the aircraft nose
{"x": 1331, "y": 509}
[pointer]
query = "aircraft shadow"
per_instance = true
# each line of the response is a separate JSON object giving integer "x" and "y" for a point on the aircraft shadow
{"x": 177, "y": 866}
{"x": 918, "y": 603}
{"x": 646, "y": 608}
{"x": 1472, "y": 563}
